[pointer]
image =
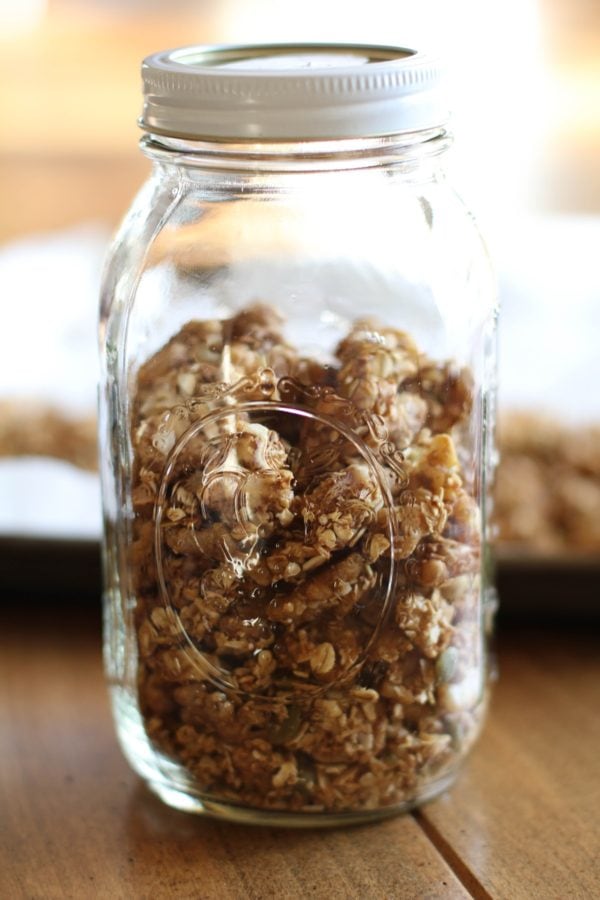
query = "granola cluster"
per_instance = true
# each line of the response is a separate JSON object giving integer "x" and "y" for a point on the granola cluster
{"x": 31, "y": 428}
{"x": 305, "y": 558}
{"x": 547, "y": 497}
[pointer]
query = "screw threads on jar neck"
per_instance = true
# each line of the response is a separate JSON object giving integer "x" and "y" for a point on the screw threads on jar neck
{"x": 314, "y": 155}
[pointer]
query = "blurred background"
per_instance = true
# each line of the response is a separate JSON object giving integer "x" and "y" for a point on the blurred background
{"x": 525, "y": 82}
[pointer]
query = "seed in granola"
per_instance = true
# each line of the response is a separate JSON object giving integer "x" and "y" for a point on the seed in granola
{"x": 446, "y": 665}
{"x": 461, "y": 694}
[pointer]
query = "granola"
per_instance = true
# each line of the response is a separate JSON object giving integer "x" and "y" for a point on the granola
{"x": 32, "y": 428}
{"x": 305, "y": 558}
{"x": 547, "y": 497}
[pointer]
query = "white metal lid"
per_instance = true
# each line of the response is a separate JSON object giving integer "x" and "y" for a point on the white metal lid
{"x": 290, "y": 92}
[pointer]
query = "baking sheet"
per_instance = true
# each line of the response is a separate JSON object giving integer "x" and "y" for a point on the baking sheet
{"x": 68, "y": 573}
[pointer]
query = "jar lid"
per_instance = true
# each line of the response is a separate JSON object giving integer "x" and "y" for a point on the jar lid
{"x": 290, "y": 92}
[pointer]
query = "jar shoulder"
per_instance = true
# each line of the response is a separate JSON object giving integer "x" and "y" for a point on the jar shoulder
{"x": 126, "y": 254}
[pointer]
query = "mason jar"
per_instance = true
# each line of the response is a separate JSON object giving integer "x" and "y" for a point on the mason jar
{"x": 297, "y": 333}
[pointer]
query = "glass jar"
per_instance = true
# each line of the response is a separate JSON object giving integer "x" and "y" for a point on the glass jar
{"x": 297, "y": 326}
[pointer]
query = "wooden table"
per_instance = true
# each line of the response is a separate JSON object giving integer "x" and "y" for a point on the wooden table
{"x": 522, "y": 822}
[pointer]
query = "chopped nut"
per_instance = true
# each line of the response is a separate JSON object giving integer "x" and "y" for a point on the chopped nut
{"x": 286, "y": 774}
{"x": 374, "y": 545}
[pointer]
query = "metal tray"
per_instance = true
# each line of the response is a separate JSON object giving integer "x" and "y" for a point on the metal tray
{"x": 543, "y": 587}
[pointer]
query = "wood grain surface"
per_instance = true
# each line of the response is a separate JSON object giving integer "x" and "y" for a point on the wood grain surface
{"x": 76, "y": 823}
{"x": 525, "y": 819}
